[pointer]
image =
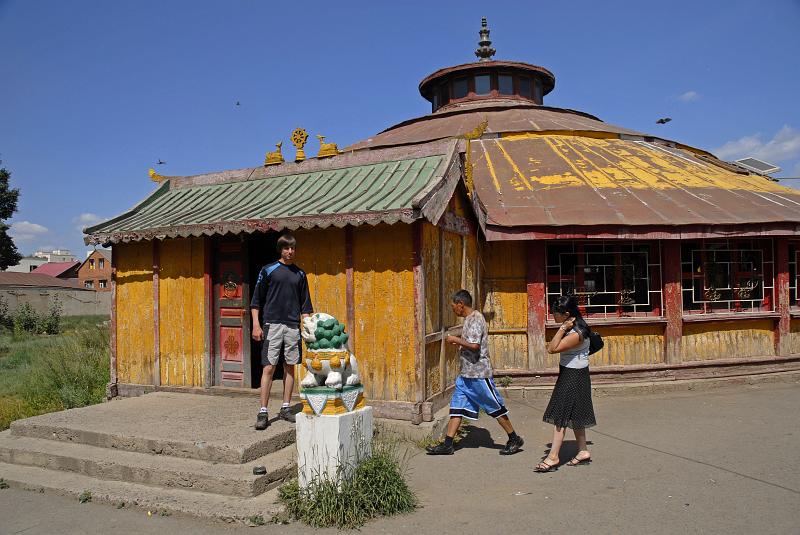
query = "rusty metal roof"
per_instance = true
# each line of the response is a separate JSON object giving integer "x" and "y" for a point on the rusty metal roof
{"x": 535, "y": 180}
{"x": 376, "y": 187}
{"x": 38, "y": 280}
{"x": 503, "y": 116}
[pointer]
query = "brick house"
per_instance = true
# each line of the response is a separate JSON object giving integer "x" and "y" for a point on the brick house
{"x": 95, "y": 272}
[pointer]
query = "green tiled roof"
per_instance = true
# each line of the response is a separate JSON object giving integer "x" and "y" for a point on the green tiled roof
{"x": 384, "y": 191}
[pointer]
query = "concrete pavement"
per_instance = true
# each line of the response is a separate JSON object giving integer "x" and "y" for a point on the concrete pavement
{"x": 719, "y": 461}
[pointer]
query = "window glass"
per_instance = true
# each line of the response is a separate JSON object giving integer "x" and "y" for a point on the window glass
{"x": 483, "y": 84}
{"x": 505, "y": 84}
{"x": 609, "y": 279}
{"x": 444, "y": 96}
{"x": 537, "y": 88}
{"x": 91, "y": 263}
{"x": 102, "y": 263}
{"x": 525, "y": 87}
{"x": 460, "y": 88}
{"x": 103, "y": 284}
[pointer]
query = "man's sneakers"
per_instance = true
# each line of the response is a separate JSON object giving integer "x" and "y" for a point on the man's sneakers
{"x": 440, "y": 449}
{"x": 286, "y": 414}
{"x": 262, "y": 421}
{"x": 512, "y": 446}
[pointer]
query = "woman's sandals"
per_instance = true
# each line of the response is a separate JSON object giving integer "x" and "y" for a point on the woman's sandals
{"x": 544, "y": 467}
{"x": 575, "y": 461}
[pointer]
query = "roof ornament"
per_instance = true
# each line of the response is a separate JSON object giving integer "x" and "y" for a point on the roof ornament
{"x": 485, "y": 50}
{"x": 299, "y": 138}
{"x": 155, "y": 177}
{"x": 275, "y": 157}
{"x": 326, "y": 150}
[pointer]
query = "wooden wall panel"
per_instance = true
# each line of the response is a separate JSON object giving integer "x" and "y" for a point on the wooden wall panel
{"x": 725, "y": 340}
{"x": 624, "y": 345}
{"x": 471, "y": 266}
{"x": 181, "y": 310}
{"x": 505, "y": 307}
{"x": 509, "y": 351}
{"x": 452, "y": 364}
{"x": 452, "y": 256}
{"x": 321, "y": 254}
{"x": 135, "y": 345}
{"x": 384, "y": 310}
{"x": 431, "y": 266}
{"x": 504, "y": 259}
{"x": 793, "y": 338}
{"x": 433, "y": 380}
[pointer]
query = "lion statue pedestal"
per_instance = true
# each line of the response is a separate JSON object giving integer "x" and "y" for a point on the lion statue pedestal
{"x": 334, "y": 431}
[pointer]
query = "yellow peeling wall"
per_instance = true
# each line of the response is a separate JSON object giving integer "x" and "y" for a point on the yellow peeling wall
{"x": 726, "y": 340}
{"x": 181, "y": 307}
{"x": 383, "y": 258}
{"x": 505, "y": 303}
{"x": 794, "y": 337}
{"x": 134, "y": 312}
{"x": 322, "y": 255}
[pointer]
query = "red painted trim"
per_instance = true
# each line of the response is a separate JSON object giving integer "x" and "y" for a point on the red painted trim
{"x": 113, "y": 373}
{"x": 419, "y": 314}
{"x": 350, "y": 286}
{"x": 536, "y": 286}
{"x": 156, "y": 318}
{"x": 782, "y": 297}
{"x": 673, "y": 301}
{"x": 645, "y": 232}
{"x": 209, "y": 313}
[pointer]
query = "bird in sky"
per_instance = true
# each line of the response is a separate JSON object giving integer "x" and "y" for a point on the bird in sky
{"x": 160, "y": 162}
{"x": 664, "y": 120}
{"x": 237, "y": 103}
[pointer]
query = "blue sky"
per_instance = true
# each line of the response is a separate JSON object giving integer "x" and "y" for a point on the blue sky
{"x": 93, "y": 93}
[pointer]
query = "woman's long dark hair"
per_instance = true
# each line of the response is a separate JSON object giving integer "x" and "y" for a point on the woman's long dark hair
{"x": 567, "y": 304}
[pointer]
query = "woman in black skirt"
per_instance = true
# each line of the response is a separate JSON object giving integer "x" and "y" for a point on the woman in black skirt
{"x": 571, "y": 402}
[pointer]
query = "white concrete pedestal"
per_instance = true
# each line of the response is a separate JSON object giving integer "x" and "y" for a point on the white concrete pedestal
{"x": 330, "y": 445}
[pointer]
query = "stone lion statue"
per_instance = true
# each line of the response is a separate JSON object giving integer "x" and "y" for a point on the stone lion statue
{"x": 328, "y": 361}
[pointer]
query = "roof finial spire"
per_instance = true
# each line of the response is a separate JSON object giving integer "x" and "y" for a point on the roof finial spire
{"x": 485, "y": 50}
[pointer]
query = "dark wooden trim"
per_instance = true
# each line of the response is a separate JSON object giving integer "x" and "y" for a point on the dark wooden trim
{"x": 419, "y": 315}
{"x": 156, "y": 318}
{"x": 672, "y": 297}
{"x": 442, "y": 304}
{"x": 208, "y": 293}
{"x": 782, "y": 296}
{"x": 536, "y": 288}
{"x": 643, "y": 232}
{"x": 730, "y": 316}
{"x": 350, "y": 290}
{"x": 113, "y": 377}
{"x": 246, "y": 321}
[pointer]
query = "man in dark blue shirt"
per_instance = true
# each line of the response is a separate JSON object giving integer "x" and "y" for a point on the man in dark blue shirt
{"x": 281, "y": 292}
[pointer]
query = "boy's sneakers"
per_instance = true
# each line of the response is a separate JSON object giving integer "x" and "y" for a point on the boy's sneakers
{"x": 512, "y": 446}
{"x": 286, "y": 414}
{"x": 262, "y": 421}
{"x": 440, "y": 449}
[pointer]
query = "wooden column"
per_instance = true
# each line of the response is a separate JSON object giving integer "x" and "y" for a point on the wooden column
{"x": 419, "y": 322}
{"x": 350, "y": 292}
{"x": 782, "y": 326}
{"x": 156, "y": 322}
{"x": 208, "y": 295}
{"x": 673, "y": 301}
{"x": 536, "y": 286}
{"x": 111, "y": 389}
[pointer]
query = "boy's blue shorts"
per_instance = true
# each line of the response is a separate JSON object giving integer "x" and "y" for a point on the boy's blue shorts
{"x": 471, "y": 395}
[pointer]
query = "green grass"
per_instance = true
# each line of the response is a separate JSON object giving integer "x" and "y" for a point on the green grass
{"x": 45, "y": 373}
{"x": 376, "y": 488}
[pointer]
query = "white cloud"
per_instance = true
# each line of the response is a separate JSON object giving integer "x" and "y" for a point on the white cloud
{"x": 785, "y": 145}
{"x": 26, "y": 231}
{"x": 86, "y": 220}
{"x": 689, "y": 96}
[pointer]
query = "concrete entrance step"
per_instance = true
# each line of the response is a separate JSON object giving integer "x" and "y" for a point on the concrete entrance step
{"x": 157, "y": 500}
{"x": 192, "y": 426}
{"x": 147, "y": 469}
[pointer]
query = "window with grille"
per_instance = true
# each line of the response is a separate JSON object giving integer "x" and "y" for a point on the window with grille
{"x": 609, "y": 279}
{"x": 727, "y": 276}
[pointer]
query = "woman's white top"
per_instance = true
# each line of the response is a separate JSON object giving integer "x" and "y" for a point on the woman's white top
{"x": 578, "y": 356}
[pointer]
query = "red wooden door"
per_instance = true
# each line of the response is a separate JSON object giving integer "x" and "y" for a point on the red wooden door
{"x": 231, "y": 315}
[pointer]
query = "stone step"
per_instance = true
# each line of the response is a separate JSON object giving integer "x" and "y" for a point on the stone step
{"x": 157, "y": 500}
{"x": 209, "y": 428}
{"x": 147, "y": 469}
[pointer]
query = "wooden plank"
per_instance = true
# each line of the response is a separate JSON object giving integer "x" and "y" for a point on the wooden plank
{"x": 134, "y": 332}
{"x": 783, "y": 325}
{"x": 113, "y": 380}
{"x": 728, "y": 339}
{"x": 673, "y": 301}
{"x": 431, "y": 265}
{"x": 156, "y": 316}
{"x": 208, "y": 324}
{"x": 350, "y": 286}
{"x": 442, "y": 303}
{"x": 419, "y": 312}
{"x": 536, "y": 291}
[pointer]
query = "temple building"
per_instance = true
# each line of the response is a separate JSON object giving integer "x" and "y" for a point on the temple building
{"x": 686, "y": 264}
